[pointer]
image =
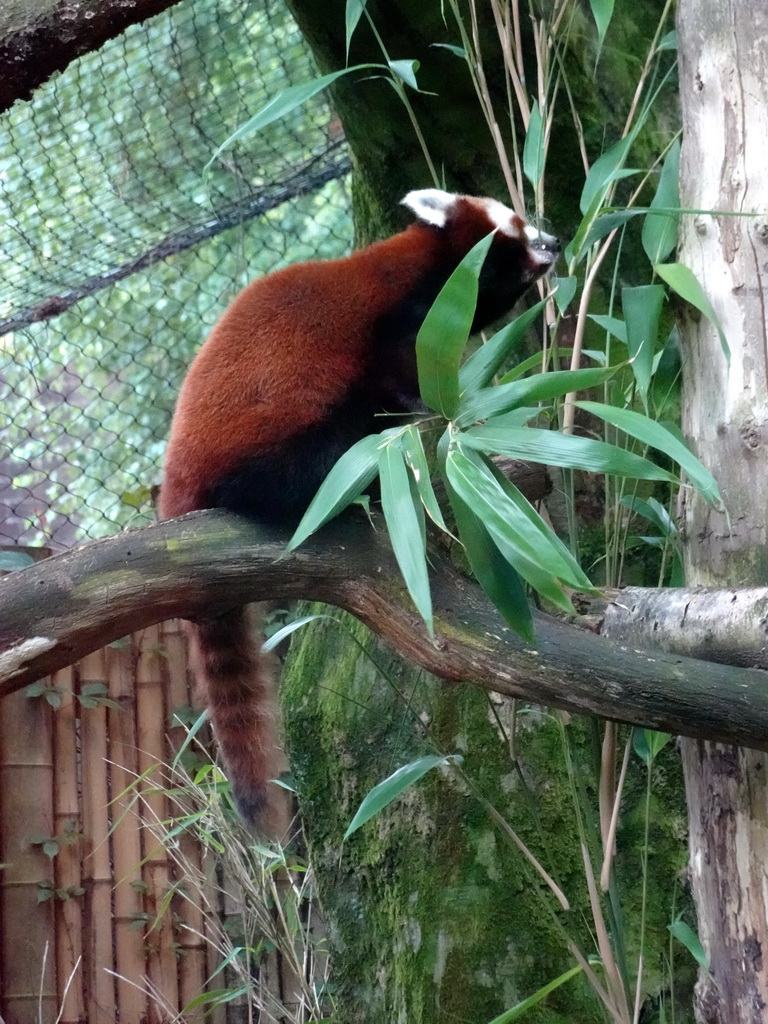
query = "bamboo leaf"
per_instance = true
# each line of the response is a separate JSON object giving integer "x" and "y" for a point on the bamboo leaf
{"x": 406, "y": 70}
{"x": 493, "y": 572}
{"x": 654, "y": 434}
{"x": 565, "y": 289}
{"x": 604, "y": 171}
{"x": 405, "y": 527}
{"x": 687, "y": 937}
{"x": 483, "y": 365}
{"x": 281, "y": 104}
{"x": 517, "y": 1011}
{"x": 388, "y": 790}
{"x": 412, "y": 448}
{"x": 660, "y": 229}
{"x": 682, "y": 280}
{"x": 349, "y": 477}
{"x": 611, "y": 324}
{"x": 536, "y": 388}
{"x": 534, "y": 153}
{"x": 445, "y": 331}
{"x": 565, "y": 450}
{"x": 642, "y": 312}
{"x": 526, "y": 548}
{"x": 602, "y": 12}
{"x": 648, "y": 743}
{"x": 354, "y": 12}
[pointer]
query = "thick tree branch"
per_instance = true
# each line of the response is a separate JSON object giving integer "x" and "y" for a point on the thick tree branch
{"x": 44, "y": 36}
{"x": 57, "y": 611}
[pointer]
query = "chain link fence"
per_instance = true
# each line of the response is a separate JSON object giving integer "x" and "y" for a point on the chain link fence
{"x": 119, "y": 248}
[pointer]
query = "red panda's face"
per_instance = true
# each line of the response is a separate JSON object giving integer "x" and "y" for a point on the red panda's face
{"x": 519, "y": 253}
{"x": 467, "y": 219}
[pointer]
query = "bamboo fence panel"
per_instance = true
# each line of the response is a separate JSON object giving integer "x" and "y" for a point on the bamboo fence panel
{"x": 68, "y": 863}
{"x": 69, "y": 776}
{"x": 26, "y": 806}
{"x": 130, "y": 954}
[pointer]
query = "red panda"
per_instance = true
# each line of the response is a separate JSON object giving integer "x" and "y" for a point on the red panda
{"x": 294, "y": 373}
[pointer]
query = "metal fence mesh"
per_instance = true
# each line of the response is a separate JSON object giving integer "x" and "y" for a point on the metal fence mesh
{"x": 119, "y": 249}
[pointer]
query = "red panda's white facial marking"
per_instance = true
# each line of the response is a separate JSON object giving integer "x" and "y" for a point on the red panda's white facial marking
{"x": 431, "y": 205}
{"x": 434, "y": 206}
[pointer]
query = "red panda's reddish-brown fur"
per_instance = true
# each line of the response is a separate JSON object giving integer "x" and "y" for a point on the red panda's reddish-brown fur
{"x": 293, "y": 373}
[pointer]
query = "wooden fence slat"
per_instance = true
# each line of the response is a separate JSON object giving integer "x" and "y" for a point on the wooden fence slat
{"x": 26, "y": 806}
{"x": 152, "y": 720}
{"x": 192, "y": 944}
{"x": 68, "y": 826}
{"x": 97, "y": 873}
{"x": 130, "y": 954}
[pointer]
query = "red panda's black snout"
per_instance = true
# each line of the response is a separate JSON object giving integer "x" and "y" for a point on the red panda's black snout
{"x": 294, "y": 373}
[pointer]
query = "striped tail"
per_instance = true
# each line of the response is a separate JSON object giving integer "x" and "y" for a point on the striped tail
{"x": 238, "y": 682}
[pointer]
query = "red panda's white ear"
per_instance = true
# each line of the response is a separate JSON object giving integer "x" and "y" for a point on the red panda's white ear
{"x": 430, "y": 205}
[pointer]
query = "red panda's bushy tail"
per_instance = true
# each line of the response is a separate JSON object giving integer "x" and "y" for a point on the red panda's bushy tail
{"x": 237, "y": 681}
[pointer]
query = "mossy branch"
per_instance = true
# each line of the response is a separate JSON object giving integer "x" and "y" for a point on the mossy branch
{"x": 58, "y": 610}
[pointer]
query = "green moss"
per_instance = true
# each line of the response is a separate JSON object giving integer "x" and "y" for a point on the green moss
{"x": 434, "y": 915}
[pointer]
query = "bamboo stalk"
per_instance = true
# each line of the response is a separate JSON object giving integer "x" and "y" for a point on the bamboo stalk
{"x": 26, "y": 809}
{"x": 97, "y": 873}
{"x": 151, "y": 719}
{"x": 68, "y": 826}
{"x": 193, "y": 958}
{"x": 130, "y": 954}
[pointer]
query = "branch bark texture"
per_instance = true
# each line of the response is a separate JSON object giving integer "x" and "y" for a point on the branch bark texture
{"x": 53, "y": 613}
{"x": 41, "y": 37}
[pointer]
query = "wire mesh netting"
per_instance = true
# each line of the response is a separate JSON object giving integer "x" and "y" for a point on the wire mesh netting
{"x": 120, "y": 247}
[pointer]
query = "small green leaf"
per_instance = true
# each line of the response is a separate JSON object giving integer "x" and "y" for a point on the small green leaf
{"x": 565, "y": 289}
{"x": 611, "y": 324}
{"x": 483, "y": 365}
{"x": 50, "y": 848}
{"x": 282, "y": 634}
{"x": 385, "y": 792}
{"x": 137, "y": 498}
{"x": 687, "y": 937}
{"x": 602, "y": 12}
{"x": 445, "y": 331}
{"x": 660, "y": 229}
{"x": 648, "y": 743}
{"x": 657, "y": 436}
{"x": 642, "y": 312}
{"x": 10, "y": 561}
{"x": 604, "y": 171}
{"x": 405, "y": 527}
{"x": 534, "y": 152}
{"x": 354, "y": 12}
{"x": 682, "y": 280}
{"x": 517, "y": 1011}
{"x": 353, "y": 472}
{"x": 406, "y": 69}
{"x": 458, "y": 51}
{"x": 53, "y": 696}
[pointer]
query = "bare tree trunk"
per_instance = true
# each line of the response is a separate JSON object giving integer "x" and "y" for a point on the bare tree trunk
{"x": 724, "y": 93}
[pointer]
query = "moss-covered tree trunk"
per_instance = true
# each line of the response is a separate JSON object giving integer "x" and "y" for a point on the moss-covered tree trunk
{"x": 434, "y": 916}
